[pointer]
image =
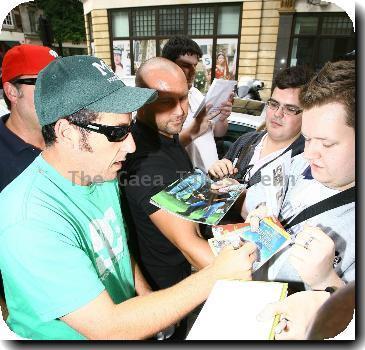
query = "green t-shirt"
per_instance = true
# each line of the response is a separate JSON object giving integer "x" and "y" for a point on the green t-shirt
{"x": 61, "y": 245}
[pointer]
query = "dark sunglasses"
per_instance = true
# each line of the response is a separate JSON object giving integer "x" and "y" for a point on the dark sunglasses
{"x": 112, "y": 133}
{"x": 26, "y": 81}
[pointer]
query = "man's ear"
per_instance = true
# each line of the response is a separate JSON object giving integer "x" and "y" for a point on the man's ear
{"x": 11, "y": 92}
{"x": 66, "y": 133}
{"x": 140, "y": 112}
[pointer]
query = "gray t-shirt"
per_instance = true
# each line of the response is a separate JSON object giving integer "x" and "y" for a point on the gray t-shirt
{"x": 339, "y": 223}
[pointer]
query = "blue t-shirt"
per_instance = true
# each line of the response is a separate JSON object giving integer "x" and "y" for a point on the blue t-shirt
{"x": 61, "y": 245}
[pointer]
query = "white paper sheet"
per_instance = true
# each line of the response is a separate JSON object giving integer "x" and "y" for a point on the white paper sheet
{"x": 230, "y": 313}
{"x": 219, "y": 92}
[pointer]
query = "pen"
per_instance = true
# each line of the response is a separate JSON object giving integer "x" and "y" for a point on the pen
{"x": 281, "y": 325}
{"x": 235, "y": 162}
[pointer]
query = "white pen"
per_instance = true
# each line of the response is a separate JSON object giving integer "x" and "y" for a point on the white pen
{"x": 281, "y": 326}
{"x": 235, "y": 162}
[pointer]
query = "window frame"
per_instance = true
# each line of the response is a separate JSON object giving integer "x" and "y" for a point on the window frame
{"x": 91, "y": 33}
{"x": 11, "y": 17}
{"x": 317, "y": 36}
{"x": 158, "y": 38}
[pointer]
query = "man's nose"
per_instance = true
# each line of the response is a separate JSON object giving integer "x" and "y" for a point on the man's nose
{"x": 279, "y": 113}
{"x": 311, "y": 151}
{"x": 128, "y": 145}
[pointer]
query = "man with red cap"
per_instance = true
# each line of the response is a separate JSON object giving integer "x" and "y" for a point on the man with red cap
{"x": 21, "y": 138}
{"x": 20, "y": 133}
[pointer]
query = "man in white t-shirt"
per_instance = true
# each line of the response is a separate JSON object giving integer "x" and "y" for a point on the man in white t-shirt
{"x": 198, "y": 133}
{"x": 324, "y": 251}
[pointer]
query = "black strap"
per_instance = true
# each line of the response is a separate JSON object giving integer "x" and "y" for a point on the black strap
{"x": 335, "y": 201}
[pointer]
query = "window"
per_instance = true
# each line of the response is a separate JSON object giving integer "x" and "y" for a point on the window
{"x": 201, "y": 21}
{"x": 32, "y": 13}
{"x": 8, "y": 21}
{"x": 171, "y": 21}
{"x": 120, "y": 24}
{"x": 228, "y": 20}
{"x": 143, "y": 22}
{"x": 319, "y": 38}
{"x": 140, "y": 33}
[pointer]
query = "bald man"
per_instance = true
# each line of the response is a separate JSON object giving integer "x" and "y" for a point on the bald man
{"x": 165, "y": 245}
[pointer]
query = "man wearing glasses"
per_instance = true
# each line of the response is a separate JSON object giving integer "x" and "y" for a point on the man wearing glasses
{"x": 20, "y": 134}
{"x": 64, "y": 256}
{"x": 255, "y": 150}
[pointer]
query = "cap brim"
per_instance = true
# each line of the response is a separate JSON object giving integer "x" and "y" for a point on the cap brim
{"x": 124, "y": 100}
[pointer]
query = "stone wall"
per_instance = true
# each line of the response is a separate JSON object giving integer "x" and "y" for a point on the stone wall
{"x": 260, "y": 25}
{"x": 100, "y": 27}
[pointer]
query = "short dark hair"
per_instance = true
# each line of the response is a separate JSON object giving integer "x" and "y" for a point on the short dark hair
{"x": 292, "y": 77}
{"x": 335, "y": 82}
{"x": 181, "y": 45}
{"x": 82, "y": 116}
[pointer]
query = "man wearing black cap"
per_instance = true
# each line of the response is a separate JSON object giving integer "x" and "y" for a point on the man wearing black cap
{"x": 63, "y": 253}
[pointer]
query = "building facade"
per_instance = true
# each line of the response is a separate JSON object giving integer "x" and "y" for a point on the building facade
{"x": 250, "y": 38}
{"x": 21, "y": 26}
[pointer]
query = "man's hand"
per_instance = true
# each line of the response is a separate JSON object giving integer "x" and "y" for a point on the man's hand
{"x": 225, "y": 185}
{"x": 199, "y": 126}
{"x": 297, "y": 313}
{"x": 221, "y": 125}
{"x": 202, "y": 122}
{"x": 222, "y": 168}
{"x": 312, "y": 256}
{"x": 235, "y": 264}
{"x": 255, "y": 216}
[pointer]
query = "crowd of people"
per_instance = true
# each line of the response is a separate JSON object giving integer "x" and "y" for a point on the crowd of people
{"x": 83, "y": 252}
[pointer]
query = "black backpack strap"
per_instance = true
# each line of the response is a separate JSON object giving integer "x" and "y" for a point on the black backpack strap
{"x": 335, "y": 201}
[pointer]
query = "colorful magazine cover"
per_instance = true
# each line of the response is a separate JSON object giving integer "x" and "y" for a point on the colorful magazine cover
{"x": 192, "y": 198}
{"x": 220, "y": 230}
{"x": 269, "y": 239}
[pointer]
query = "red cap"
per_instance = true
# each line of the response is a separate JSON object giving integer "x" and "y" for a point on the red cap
{"x": 26, "y": 60}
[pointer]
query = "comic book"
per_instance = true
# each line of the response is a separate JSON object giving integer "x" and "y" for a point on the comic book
{"x": 270, "y": 239}
{"x": 231, "y": 310}
{"x": 192, "y": 198}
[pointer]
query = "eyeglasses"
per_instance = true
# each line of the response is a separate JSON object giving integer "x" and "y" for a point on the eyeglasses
{"x": 26, "y": 81}
{"x": 112, "y": 133}
{"x": 287, "y": 109}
